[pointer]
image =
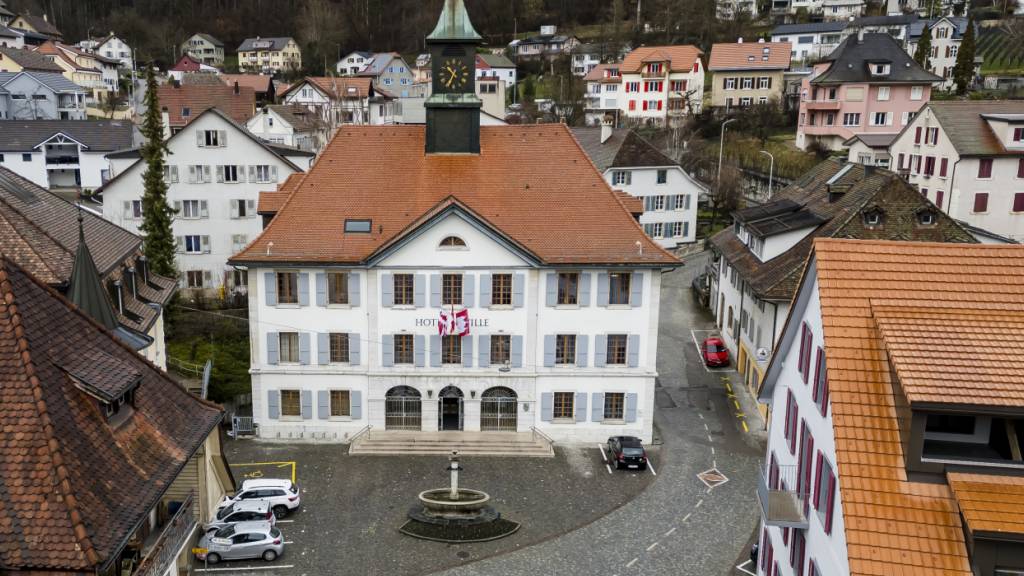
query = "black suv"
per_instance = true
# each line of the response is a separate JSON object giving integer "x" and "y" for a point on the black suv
{"x": 627, "y": 452}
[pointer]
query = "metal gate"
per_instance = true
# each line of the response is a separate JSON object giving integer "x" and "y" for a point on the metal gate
{"x": 498, "y": 410}
{"x": 402, "y": 412}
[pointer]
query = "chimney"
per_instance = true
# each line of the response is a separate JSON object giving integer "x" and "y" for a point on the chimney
{"x": 760, "y": 40}
{"x": 143, "y": 265}
{"x": 236, "y": 88}
{"x": 45, "y": 19}
{"x": 739, "y": 40}
{"x": 606, "y": 128}
{"x": 860, "y": 34}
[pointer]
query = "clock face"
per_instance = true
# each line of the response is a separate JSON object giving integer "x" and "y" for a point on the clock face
{"x": 454, "y": 74}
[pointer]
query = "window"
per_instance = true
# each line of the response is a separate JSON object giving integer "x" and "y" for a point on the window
{"x": 170, "y": 174}
{"x": 926, "y": 218}
{"x": 339, "y": 347}
{"x": 748, "y": 83}
{"x": 916, "y": 92}
{"x": 662, "y": 176}
{"x": 622, "y": 177}
{"x": 655, "y": 230}
{"x": 1018, "y": 202}
{"x": 820, "y": 392}
{"x": 194, "y": 278}
{"x": 501, "y": 289}
{"x": 851, "y": 119}
{"x": 830, "y": 118}
{"x": 678, "y": 86}
{"x": 135, "y": 209}
{"x": 929, "y": 165}
{"x": 26, "y": 157}
{"x": 193, "y": 244}
{"x": 501, "y": 349}
{"x": 616, "y": 352}
{"x": 190, "y": 209}
{"x": 289, "y": 346}
{"x": 403, "y": 290}
{"x": 932, "y": 136}
{"x": 873, "y": 217}
{"x": 618, "y": 288}
{"x": 264, "y": 173}
{"x": 290, "y": 405}
{"x": 730, "y": 83}
{"x": 404, "y": 352}
{"x": 213, "y": 138}
{"x": 985, "y": 168}
{"x": 879, "y": 69}
{"x": 358, "y": 226}
{"x": 568, "y": 288}
{"x": 614, "y": 406}
{"x": 1018, "y": 134}
{"x": 451, "y": 349}
{"x": 228, "y": 173}
{"x": 657, "y": 202}
{"x": 943, "y": 166}
{"x": 824, "y": 492}
{"x": 883, "y": 93}
{"x": 563, "y": 408}
{"x": 764, "y": 83}
{"x": 880, "y": 119}
{"x": 288, "y": 287}
{"x": 981, "y": 202}
{"x": 565, "y": 349}
{"x": 186, "y": 111}
{"x": 451, "y": 289}
{"x": 341, "y": 403}
{"x": 792, "y": 417}
{"x": 239, "y": 277}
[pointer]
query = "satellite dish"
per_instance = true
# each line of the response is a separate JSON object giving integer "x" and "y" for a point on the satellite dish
{"x": 762, "y": 354}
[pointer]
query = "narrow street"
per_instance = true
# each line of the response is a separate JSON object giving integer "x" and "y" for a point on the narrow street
{"x": 678, "y": 525}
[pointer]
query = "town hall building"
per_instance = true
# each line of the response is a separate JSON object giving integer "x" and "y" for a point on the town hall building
{"x": 510, "y": 230}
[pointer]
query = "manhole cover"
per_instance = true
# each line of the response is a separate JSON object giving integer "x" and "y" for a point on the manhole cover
{"x": 712, "y": 478}
{"x": 462, "y": 554}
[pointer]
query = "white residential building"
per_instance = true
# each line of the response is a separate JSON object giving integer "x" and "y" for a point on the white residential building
{"x": 353, "y": 63}
{"x": 661, "y": 84}
{"x": 584, "y": 58}
{"x": 496, "y": 66}
{"x": 338, "y": 101}
{"x": 290, "y": 125}
{"x": 58, "y": 154}
{"x": 205, "y": 49}
{"x": 215, "y": 172}
{"x": 812, "y": 41}
{"x": 603, "y": 86}
{"x": 946, "y": 35}
{"x": 111, "y": 47}
{"x": 731, "y": 9}
{"x": 968, "y": 158}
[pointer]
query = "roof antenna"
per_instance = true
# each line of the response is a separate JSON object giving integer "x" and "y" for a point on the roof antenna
{"x": 640, "y": 247}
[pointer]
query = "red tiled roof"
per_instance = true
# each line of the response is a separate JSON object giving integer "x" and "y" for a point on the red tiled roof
{"x": 532, "y": 183}
{"x": 258, "y": 82}
{"x": 750, "y": 55}
{"x": 597, "y": 74}
{"x": 271, "y": 202}
{"x": 199, "y": 98}
{"x": 335, "y": 87}
{"x": 681, "y": 58}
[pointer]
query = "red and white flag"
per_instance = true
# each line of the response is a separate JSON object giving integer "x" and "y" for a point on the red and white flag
{"x": 453, "y": 323}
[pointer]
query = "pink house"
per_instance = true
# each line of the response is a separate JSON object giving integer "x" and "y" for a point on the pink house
{"x": 868, "y": 85}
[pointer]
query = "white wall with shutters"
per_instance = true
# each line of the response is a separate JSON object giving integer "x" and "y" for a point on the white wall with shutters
{"x": 678, "y": 184}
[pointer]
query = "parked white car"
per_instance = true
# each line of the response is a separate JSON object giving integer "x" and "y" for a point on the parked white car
{"x": 281, "y": 494}
{"x": 241, "y": 511}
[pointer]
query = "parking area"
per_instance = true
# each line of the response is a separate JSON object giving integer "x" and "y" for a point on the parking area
{"x": 352, "y": 506}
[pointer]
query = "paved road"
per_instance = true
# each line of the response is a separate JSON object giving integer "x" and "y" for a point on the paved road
{"x": 677, "y": 526}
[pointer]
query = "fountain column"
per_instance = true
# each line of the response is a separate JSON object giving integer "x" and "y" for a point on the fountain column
{"x": 453, "y": 467}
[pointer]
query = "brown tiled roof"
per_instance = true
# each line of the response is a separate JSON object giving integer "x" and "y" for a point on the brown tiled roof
{"x": 894, "y": 525}
{"x": 335, "y": 87}
{"x": 239, "y": 107}
{"x": 534, "y": 184}
{"x": 777, "y": 279}
{"x": 302, "y": 119}
{"x": 633, "y": 204}
{"x": 41, "y": 25}
{"x": 29, "y": 60}
{"x": 750, "y": 56}
{"x": 989, "y": 503}
{"x": 681, "y": 58}
{"x": 597, "y": 74}
{"x": 271, "y": 202}
{"x": 74, "y": 486}
{"x": 969, "y": 133}
{"x": 51, "y": 48}
{"x": 258, "y": 82}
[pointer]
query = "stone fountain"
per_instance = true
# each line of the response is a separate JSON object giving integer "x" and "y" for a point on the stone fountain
{"x": 455, "y": 514}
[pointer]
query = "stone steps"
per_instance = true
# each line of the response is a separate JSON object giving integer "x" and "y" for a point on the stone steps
{"x": 522, "y": 444}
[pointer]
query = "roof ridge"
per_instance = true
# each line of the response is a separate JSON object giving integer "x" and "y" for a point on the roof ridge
{"x": 30, "y": 222}
{"x": 53, "y": 448}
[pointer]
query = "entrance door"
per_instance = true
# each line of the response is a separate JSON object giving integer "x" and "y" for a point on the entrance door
{"x": 449, "y": 409}
{"x": 402, "y": 409}
{"x": 498, "y": 410}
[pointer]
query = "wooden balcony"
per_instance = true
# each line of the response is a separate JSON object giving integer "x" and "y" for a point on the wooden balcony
{"x": 823, "y": 104}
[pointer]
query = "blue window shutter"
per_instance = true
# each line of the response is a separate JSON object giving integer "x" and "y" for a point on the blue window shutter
{"x": 518, "y": 290}
{"x": 581, "y": 350}
{"x": 273, "y": 404}
{"x": 321, "y": 289}
{"x": 270, "y": 287}
{"x": 467, "y": 290}
{"x": 549, "y": 350}
{"x": 485, "y": 290}
{"x": 304, "y": 346}
{"x": 307, "y": 404}
{"x": 602, "y": 289}
{"x": 581, "y": 407}
{"x": 387, "y": 290}
{"x": 597, "y": 407}
{"x": 633, "y": 350}
{"x": 516, "y": 357}
{"x": 353, "y": 288}
{"x": 547, "y": 406}
{"x": 356, "y": 404}
{"x": 551, "y": 289}
{"x": 303, "y": 288}
{"x": 636, "y": 288}
{"x": 387, "y": 350}
{"x": 467, "y": 351}
{"x": 323, "y": 404}
{"x": 272, "y": 347}
{"x": 435, "y": 350}
{"x": 584, "y": 298}
{"x": 631, "y": 407}
{"x": 600, "y": 351}
{"x": 419, "y": 284}
{"x": 419, "y": 345}
{"x": 323, "y": 348}
{"x": 353, "y": 349}
{"x": 485, "y": 351}
{"x": 435, "y": 290}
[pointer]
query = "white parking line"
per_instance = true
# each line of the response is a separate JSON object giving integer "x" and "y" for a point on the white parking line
{"x": 743, "y": 568}
{"x": 652, "y": 546}
{"x": 631, "y": 562}
{"x": 669, "y": 533}
{"x": 285, "y": 521}
{"x": 604, "y": 458}
{"x": 650, "y": 466}
{"x": 244, "y": 568}
{"x": 693, "y": 334}
{"x": 687, "y": 517}
{"x": 699, "y": 502}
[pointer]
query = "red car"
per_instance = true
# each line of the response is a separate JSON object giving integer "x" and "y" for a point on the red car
{"x": 714, "y": 351}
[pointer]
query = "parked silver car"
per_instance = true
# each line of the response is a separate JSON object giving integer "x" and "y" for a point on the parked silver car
{"x": 241, "y": 541}
{"x": 241, "y": 511}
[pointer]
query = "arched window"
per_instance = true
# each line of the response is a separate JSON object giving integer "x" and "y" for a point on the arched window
{"x": 452, "y": 243}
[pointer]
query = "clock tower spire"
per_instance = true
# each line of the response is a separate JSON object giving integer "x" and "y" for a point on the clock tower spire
{"x": 453, "y": 109}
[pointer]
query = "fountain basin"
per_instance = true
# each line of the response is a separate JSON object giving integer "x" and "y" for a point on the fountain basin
{"x": 439, "y": 502}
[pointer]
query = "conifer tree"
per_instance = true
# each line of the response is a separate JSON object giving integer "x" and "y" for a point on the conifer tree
{"x": 963, "y": 71}
{"x": 923, "y": 54}
{"x": 157, "y": 215}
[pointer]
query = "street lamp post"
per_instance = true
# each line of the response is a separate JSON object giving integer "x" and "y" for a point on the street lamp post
{"x": 771, "y": 171}
{"x": 718, "y": 175}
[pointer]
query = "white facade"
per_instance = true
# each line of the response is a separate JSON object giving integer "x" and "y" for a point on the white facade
{"x": 347, "y": 109}
{"x": 640, "y": 100}
{"x": 809, "y": 46}
{"x": 670, "y": 198}
{"x": 271, "y": 127}
{"x": 59, "y": 162}
{"x": 839, "y": 10}
{"x": 200, "y": 48}
{"x": 584, "y": 62}
{"x": 353, "y": 63}
{"x": 730, "y": 9}
{"x": 506, "y": 74}
{"x": 215, "y": 188}
{"x": 117, "y": 49}
{"x": 371, "y": 324}
{"x": 945, "y": 46}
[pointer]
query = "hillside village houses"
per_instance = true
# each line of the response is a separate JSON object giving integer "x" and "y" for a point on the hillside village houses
{"x": 290, "y": 125}
{"x": 11, "y": 38}
{"x": 204, "y": 48}
{"x": 602, "y": 88}
{"x": 968, "y": 158}
{"x": 660, "y": 84}
{"x": 762, "y": 255}
{"x": 818, "y": 10}
{"x": 946, "y": 36}
{"x": 39, "y": 24}
{"x": 926, "y": 9}
{"x": 111, "y": 47}
{"x": 30, "y": 95}
{"x": 496, "y": 66}
{"x": 869, "y": 84}
{"x": 877, "y": 460}
{"x": 17, "y": 60}
{"x": 668, "y": 195}
{"x": 548, "y": 44}
{"x": 811, "y": 41}
{"x": 743, "y": 74}
{"x": 338, "y": 101}
{"x": 353, "y": 63}
{"x": 731, "y": 9}
{"x": 91, "y": 71}
{"x": 182, "y": 103}
{"x": 561, "y": 336}
{"x": 215, "y": 172}
{"x": 269, "y": 55}
{"x": 5, "y": 14}
{"x": 64, "y": 154}
{"x": 189, "y": 65}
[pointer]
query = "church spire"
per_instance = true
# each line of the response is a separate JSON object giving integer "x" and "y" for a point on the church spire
{"x": 86, "y": 287}
{"x": 454, "y": 24}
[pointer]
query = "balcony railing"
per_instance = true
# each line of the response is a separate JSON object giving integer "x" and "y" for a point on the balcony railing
{"x": 781, "y": 504}
{"x": 162, "y": 554}
{"x": 62, "y": 160}
{"x": 649, "y": 74}
{"x": 823, "y": 104}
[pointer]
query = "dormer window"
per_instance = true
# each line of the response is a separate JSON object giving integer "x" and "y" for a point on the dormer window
{"x": 116, "y": 407}
{"x": 880, "y": 69}
{"x": 927, "y": 217}
{"x": 452, "y": 243}
{"x": 874, "y": 217}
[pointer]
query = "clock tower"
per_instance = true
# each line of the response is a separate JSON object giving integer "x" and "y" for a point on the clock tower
{"x": 453, "y": 109}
